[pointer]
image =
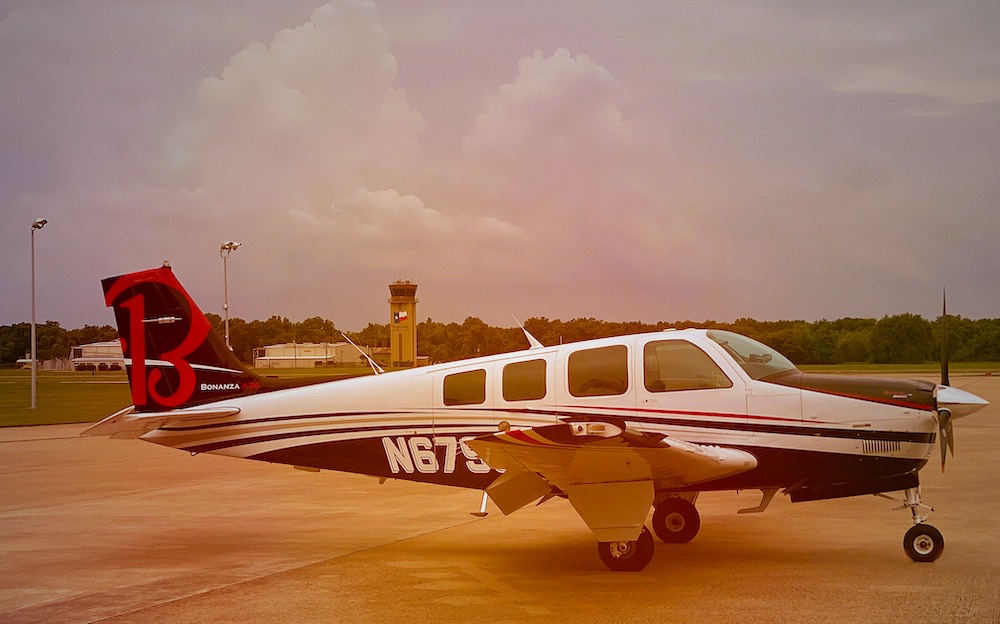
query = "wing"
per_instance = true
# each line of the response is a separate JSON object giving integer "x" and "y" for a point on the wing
{"x": 608, "y": 472}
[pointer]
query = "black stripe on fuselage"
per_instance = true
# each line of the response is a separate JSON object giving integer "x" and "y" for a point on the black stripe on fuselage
{"x": 801, "y": 471}
{"x": 276, "y": 419}
{"x": 804, "y": 429}
{"x": 642, "y": 419}
{"x": 289, "y": 435}
{"x": 823, "y": 432}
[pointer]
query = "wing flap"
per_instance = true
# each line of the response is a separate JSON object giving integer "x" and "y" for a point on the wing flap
{"x": 614, "y": 512}
{"x": 517, "y": 488}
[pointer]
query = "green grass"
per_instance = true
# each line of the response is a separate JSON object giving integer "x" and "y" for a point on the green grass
{"x": 77, "y": 397}
{"x": 61, "y": 397}
{"x": 929, "y": 368}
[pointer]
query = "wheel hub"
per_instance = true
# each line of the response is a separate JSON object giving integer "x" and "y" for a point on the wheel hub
{"x": 923, "y": 545}
{"x": 622, "y": 550}
{"x": 675, "y": 522}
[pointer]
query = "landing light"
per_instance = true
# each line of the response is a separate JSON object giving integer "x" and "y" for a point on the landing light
{"x": 596, "y": 429}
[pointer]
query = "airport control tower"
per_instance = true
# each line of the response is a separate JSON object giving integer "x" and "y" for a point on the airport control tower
{"x": 403, "y": 324}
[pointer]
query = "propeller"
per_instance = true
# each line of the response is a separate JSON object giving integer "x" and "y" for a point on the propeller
{"x": 952, "y": 403}
{"x": 946, "y": 433}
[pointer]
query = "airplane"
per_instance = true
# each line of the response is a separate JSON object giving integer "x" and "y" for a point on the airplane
{"x": 617, "y": 426}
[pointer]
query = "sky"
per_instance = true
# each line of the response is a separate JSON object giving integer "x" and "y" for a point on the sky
{"x": 643, "y": 161}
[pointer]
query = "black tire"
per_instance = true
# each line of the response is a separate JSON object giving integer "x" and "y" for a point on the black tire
{"x": 676, "y": 521}
{"x": 628, "y": 556}
{"x": 923, "y": 543}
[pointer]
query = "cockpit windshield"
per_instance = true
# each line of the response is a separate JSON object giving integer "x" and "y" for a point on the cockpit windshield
{"x": 757, "y": 359}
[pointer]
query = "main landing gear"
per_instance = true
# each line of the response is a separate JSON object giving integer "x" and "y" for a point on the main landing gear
{"x": 922, "y": 543}
{"x": 675, "y": 521}
{"x": 628, "y": 556}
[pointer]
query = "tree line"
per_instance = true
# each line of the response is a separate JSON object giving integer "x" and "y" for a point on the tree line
{"x": 899, "y": 339}
{"x": 52, "y": 341}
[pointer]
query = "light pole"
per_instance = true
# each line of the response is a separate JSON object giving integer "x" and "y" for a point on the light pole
{"x": 37, "y": 225}
{"x": 227, "y": 248}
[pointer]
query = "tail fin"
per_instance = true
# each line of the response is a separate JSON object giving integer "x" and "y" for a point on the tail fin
{"x": 173, "y": 356}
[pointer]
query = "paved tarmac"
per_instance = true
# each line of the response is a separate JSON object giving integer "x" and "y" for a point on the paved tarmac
{"x": 120, "y": 531}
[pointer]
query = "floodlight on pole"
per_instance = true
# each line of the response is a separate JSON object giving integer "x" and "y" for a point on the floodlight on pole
{"x": 36, "y": 225}
{"x": 227, "y": 248}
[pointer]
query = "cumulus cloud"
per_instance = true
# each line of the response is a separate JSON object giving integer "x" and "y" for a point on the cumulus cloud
{"x": 386, "y": 231}
{"x": 555, "y": 150}
{"x": 554, "y": 126}
{"x": 302, "y": 120}
{"x": 387, "y": 218}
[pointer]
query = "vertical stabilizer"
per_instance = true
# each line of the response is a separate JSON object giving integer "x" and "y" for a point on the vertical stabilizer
{"x": 173, "y": 356}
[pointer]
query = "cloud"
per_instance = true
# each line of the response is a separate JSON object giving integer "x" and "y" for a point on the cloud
{"x": 555, "y": 124}
{"x": 386, "y": 218}
{"x": 301, "y": 121}
{"x": 554, "y": 151}
{"x": 386, "y": 231}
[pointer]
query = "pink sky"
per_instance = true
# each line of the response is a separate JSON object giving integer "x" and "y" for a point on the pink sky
{"x": 647, "y": 161}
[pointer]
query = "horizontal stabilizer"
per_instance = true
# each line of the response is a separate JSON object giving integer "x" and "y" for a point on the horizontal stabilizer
{"x": 128, "y": 424}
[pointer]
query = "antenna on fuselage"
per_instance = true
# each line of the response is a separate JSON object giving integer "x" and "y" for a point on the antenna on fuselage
{"x": 378, "y": 370}
{"x": 535, "y": 344}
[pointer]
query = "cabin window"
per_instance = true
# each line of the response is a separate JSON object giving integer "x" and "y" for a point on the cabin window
{"x": 524, "y": 381}
{"x": 670, "y": 365}
{"x": 468, "y": 388}
{"x": 599, "y": 372}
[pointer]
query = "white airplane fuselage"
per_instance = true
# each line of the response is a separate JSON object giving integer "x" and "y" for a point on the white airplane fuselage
{"x": 398, "y": 425}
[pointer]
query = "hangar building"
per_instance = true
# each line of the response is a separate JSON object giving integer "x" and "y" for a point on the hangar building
{"x": 97, "y": 356}
{"x": 309, "y": 355}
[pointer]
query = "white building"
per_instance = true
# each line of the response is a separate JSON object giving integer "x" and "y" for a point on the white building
{"x": 309, "y": 355}
{"x": 97, "y": 355}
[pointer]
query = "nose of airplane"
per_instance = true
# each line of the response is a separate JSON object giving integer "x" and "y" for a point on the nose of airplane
{"x": 959, "y": 402}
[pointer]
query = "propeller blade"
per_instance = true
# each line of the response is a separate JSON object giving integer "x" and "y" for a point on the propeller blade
{"x": 946, "y": 435}
{"x": 944, "y": 338}
{"x": 947, "y": 443}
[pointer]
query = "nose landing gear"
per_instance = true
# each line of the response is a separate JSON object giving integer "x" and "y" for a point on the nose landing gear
{"x": 922, "y": 542}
